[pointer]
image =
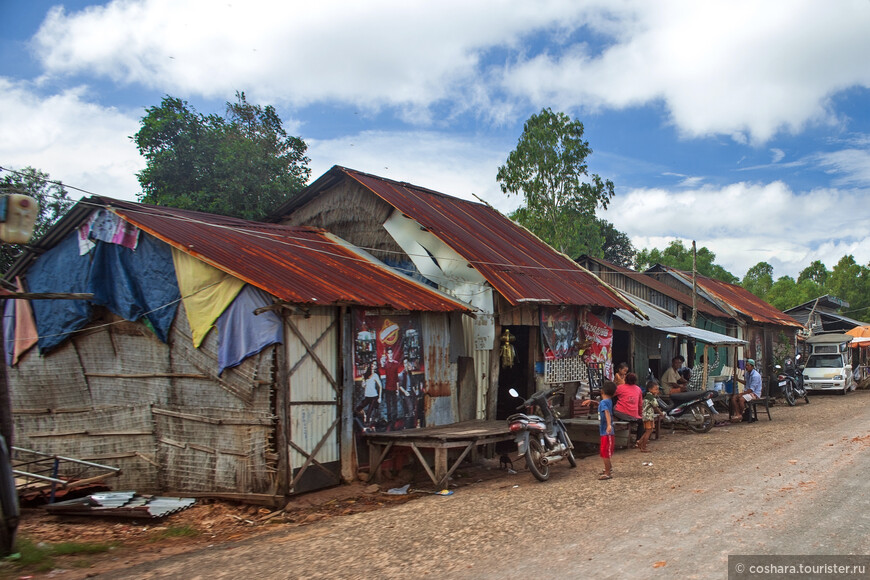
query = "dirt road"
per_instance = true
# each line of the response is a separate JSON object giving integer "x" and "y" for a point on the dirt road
{"x": 794, "y": 485}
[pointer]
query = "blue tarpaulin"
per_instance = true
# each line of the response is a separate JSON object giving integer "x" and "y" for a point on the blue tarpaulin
{"x": 241, "y": 333}
{"x": 137, "y": 283}
{"x": 60, "y": 269}
{"x": 131, "y": 283}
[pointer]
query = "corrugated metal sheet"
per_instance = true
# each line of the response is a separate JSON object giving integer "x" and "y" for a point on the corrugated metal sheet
{"x": 746, "y": 302}
{"x": 301, "y": 265}
{"x": 312, "y": 398}
{"x": 126, "y": 504}
{"x": 514, "y": 261}
{"x": 649, "y": 282}
{"x": 735, "y": 298}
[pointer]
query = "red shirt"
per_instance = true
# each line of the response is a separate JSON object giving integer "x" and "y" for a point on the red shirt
{"x": 391, "y": 375}
{"x": 629, "y": 400}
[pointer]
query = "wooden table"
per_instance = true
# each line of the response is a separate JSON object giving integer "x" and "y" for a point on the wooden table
{"x": 466, "y": 435}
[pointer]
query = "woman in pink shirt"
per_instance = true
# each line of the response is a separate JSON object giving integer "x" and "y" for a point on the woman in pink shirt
{"x": 629, "y": 403}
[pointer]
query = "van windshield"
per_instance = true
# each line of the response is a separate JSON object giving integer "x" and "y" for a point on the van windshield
{"x": 825, "y": 361}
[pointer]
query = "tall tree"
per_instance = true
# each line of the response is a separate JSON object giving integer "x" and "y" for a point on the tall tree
{"x": 817, "y": 272}
{"x": 548, "y": 168}
{"x": 618, "y": 248}
{"x": 243, "y": 164}
{"x": 676, "y": 255}
{"x": 759, "y": 279}
{"x": 851, "y": 282}
{"x": 52, "y": 198}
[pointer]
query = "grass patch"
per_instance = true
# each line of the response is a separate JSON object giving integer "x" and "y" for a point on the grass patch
{"x": 185, "y": 531}
{"x": 40, "y": 556}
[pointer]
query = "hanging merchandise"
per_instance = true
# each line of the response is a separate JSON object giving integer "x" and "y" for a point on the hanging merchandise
{"x": 508, "y": 352}
{"x": 600, "y": 336}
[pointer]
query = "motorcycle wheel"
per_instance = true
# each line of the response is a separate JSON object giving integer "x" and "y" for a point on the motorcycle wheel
{"x": 534, "y": 454}
{"x": 707, "y": 419}
{"x": 788, "y": 393}
{"x": 572, "y": 461}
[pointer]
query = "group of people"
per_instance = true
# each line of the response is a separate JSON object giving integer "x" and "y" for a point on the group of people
{"x": 623, "y": 399}
{"x": 398, "y": 388}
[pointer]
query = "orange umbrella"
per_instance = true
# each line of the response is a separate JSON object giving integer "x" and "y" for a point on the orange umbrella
{"x": 859, "y": 331}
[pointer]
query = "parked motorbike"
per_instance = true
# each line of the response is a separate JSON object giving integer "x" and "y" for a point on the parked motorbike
{"x": 693, "y": 410}
{"x": 543, "y": 438}
{"x": 791, "y": 381}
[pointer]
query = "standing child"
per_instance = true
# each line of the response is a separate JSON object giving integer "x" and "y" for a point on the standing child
{"x": 605, "y": 427}
{"x": 650, "y": 410}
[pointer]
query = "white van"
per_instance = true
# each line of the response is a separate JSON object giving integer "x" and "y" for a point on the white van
{"x": 829, "y": 365}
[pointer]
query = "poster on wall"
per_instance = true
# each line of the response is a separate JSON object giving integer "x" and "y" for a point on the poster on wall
{"x": 601, "y": 338}
{"x": 389, "y": 375}
{"x": 560, "y": 332}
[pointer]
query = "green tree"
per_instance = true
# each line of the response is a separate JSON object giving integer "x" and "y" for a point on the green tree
{"x": 53, "y": 202}
{"x": 676, "y": 255}
{"x": 759, "y": 279}
{"x": 850, "y": 281}
{"x": 242, "y": 165}
{"x": 817, "y": 272}
{"x": 548, "y": 168}
{"x": 618, "y": 248}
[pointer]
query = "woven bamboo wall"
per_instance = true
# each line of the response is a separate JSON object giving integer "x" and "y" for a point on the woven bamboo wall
{"x": 116, "y": 395}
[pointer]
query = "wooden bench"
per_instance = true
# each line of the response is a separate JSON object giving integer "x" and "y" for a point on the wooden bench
{"x": 762, "y": 401}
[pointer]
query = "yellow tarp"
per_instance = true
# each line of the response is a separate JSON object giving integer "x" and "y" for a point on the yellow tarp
{"x": 206, "y": 292}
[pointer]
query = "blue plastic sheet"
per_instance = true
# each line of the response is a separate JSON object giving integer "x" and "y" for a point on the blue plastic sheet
{"x": 136, "y": 284}
{"x": 241, "y": 333}
{"x": 61, "y": 269}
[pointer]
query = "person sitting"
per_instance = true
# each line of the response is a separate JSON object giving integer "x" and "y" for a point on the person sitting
{"x": 752, "y": 381}
{"x": 621, "y": 371}
{"x": 672, "y": 382}
{"x": 629, "y": 403}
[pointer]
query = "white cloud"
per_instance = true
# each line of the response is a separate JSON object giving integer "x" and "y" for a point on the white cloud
{"x": 851, "y": 165}
{"x": 777, "y": 155}
{"x": 437, "y": 161}
{"x": 71, "y": 139}
{"x": 373, "y": 54}
{"x": 746, "y": 223}
{"x": 739, "y": 68}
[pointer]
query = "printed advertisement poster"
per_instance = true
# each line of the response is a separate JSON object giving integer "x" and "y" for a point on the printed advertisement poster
{"x": 560, "y": 334}
{"x": 389, "y": 374}
{"x": 601, "y": 337}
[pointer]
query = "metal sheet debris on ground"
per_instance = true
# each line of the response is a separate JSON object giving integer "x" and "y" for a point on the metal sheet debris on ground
{"x": 121, "y": 504}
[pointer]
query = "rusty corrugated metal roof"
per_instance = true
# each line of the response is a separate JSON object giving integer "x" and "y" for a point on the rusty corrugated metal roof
{"x": 656, "y": 285}
{"x": 741, "y": 300}
{"x": 301, "y": 265}
{"x": 514, "y": 261}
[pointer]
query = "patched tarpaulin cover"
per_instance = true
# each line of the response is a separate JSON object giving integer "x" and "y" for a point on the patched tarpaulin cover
{"x": 61, "y": 269}
{"x": 131, "y": 284}
{"x": 137, "y": 284}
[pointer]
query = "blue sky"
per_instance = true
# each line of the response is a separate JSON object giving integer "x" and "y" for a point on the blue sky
{"x": 742, "y": 125}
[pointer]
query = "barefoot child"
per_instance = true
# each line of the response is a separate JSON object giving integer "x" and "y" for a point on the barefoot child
{"x": 650, "y": 410}
{"x": 605, "y": 427}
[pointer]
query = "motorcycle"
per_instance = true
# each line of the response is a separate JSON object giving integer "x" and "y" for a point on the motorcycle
{"x": 791, "y": 381}
{"x": 542, "y": 439}
{"x": 693, "y": 410}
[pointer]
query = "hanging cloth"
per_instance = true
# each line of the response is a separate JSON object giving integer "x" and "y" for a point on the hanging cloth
{"x": 206, "y": 292}
{"x": 25, "y": 327}
{"x": 241, "y": 333}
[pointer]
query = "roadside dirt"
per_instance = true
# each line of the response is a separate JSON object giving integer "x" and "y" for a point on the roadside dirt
{"x": 777, "y": 462}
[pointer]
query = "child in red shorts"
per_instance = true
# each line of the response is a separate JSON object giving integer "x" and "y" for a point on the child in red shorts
{"x": 605, "y": 427}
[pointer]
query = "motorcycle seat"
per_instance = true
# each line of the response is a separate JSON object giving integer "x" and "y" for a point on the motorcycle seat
{"x": 680, "y": 398}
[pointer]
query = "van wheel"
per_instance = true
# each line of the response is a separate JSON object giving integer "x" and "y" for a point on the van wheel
{"x": 844, "y": 391}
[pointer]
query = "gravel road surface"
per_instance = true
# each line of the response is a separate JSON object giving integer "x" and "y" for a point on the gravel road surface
{"x": 795, "y": 485}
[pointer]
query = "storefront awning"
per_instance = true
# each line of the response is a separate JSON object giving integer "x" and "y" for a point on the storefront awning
{"x": 665, "y": 322}
{"x": 708, "y": 336}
